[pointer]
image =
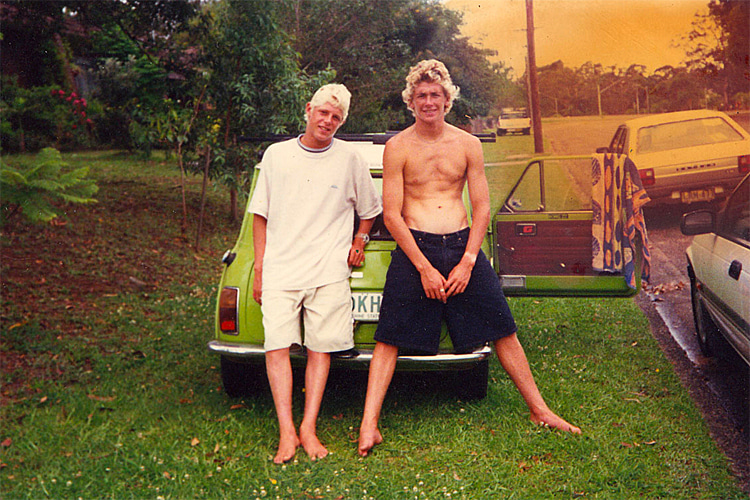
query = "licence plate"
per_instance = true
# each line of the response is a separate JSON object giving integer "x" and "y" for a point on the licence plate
{"x": 366, "y": 305}
{"x": 697, "y": 195}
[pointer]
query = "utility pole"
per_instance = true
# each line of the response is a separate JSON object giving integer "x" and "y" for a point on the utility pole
{"x": 536, "y": 113}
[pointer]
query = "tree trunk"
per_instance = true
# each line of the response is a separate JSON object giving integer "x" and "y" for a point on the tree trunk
{"x": 67, "y": 69}
{"x": 183, "y": 226}
{"x": 203, "y": 199}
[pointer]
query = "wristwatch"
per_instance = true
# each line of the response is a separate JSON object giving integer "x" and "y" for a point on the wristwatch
{"x": 364, "y": 236}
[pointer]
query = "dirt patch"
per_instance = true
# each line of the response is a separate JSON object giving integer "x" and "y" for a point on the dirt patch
{"x": 60, "y": 279}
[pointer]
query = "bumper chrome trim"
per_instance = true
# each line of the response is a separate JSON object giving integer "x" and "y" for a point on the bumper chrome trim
{"x": 443, "y": 361}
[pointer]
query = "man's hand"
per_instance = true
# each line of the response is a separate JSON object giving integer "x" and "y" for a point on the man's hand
{"x": 357, "y": 253}
{"x": 460, "y": 275}
{"x": 258, "y": 286}
{"x": 434, "y": 284}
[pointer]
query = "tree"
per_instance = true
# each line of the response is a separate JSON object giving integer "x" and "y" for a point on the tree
{"x": 371, "y": 45}
{"x": 718, "y": 47}
{"x": 32, "y": 190}
{"x": 255, "y": 81}
{"x": 734, "y": 19}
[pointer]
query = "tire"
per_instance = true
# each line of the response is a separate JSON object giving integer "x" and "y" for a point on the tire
{"x": 500, "y": 132}
{"x": 472, "y": 384}
{"x": 242, "y": 379}
{"x": 705, "y": 329}
{"x": 527, "y": 131}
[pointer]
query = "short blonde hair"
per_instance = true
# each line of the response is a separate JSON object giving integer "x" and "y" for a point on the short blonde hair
{"x": 430, "y": 71}
{"x": 335, "y": 94}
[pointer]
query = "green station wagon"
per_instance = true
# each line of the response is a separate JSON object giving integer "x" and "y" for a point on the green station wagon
{"x": 539, "y": 242}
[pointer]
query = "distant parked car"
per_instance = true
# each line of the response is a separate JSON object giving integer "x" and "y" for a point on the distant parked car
{"x": 687, "y": 156}
{"x": 719, "y": 271}
{"x": 513, "y": 120}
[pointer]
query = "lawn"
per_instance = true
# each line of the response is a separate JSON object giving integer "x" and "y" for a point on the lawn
{"x": 108, "y": 390}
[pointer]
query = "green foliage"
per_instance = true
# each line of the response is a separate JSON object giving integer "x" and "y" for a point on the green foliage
{"x": 42, "y": 116}
{"x": 33, "y": 190}
{"x": 372, "y": 45}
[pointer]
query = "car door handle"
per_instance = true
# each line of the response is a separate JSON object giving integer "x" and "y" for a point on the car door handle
{"x": 735, "y": 268}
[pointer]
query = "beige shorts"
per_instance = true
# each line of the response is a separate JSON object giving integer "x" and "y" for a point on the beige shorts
{"x": 326, "y": 313}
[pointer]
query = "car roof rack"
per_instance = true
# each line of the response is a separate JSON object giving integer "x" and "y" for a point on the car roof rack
{"x": 381, "y": 138}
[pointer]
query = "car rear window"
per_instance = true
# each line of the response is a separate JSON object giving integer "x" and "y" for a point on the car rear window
{"x": 685, "y": 134}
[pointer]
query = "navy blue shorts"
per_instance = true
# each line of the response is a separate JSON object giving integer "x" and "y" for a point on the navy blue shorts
{"x": 409, "y": 320}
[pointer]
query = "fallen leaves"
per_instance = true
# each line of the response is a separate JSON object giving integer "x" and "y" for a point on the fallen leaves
{"x": 104, "y": 399}
{"x": 637, "y": 445}
{"x": 663, "y": 288}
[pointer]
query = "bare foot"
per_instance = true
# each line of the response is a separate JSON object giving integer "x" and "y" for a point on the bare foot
{"x": 312, "y": 445}
{"x": 550, "y": 420}
{"x": 288, "y": 445}
{"x": 368, "y": 439}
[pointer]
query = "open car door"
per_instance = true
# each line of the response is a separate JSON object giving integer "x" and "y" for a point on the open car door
{"x": 542, "y": 234}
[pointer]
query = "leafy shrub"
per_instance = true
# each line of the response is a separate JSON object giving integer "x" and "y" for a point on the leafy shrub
{"x": 40, "y": 117}
{"x": 32, "y": 190}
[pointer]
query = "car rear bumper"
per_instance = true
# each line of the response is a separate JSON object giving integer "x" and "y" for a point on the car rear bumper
{"x": 691, "y": 192}
{"x": 255, "y": 354}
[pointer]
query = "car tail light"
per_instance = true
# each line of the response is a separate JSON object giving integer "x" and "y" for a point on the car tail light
{"x": 743, "y": 163}
{"x": 647, "y": 177}
{"x": 228, "y": 304}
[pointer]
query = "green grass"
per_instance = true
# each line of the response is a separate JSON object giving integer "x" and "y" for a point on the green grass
{"x": 109, "y": 391}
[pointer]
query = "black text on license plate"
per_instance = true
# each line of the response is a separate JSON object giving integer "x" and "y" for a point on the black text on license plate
{"x": 697, "y": 195}
{"x": 366, "y": 305}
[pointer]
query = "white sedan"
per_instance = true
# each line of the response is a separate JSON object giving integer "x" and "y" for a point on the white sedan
{"x": 686, "y": 156}
{"x": 719, "y": 271}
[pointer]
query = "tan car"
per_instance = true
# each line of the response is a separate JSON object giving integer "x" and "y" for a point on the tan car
{"x": 687, "y": 156}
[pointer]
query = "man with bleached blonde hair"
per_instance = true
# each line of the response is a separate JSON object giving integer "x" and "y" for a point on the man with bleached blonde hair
{"x": 307, "y": 193}
{"x": 438, "y": 271}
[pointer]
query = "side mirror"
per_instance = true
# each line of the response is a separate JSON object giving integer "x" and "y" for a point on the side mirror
{"x": 698, "y": 222}
{"x": 603, "y": 150}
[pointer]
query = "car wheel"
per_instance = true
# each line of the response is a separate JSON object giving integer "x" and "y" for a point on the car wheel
{"x": 472, "y": 384}
{"x": 705, "y": 328}
{"x": 241, "y": 379}
{"x": 500, "y": 131}
{"x": 527, "y": 131}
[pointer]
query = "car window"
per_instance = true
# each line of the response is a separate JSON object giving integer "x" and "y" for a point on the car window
{"x": 552, "y": 185}
{"x": 736, "y": 220}
{"x": 685, "y": 134}
{"x": 526, "y": 195}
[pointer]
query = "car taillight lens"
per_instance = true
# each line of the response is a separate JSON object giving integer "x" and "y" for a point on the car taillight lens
{"x": 647, "y": 177}
{"x": 228, "y": 302}
{"x": 743, "y": 163}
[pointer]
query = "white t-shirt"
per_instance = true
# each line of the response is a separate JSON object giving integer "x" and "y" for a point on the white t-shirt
{"x": 309, "y": 199}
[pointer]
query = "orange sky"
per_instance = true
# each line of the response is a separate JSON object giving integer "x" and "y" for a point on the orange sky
{"x": 610, "y": 32}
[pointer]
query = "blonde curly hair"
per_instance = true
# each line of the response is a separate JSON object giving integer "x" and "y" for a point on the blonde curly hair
{"x": 431, "y": 71}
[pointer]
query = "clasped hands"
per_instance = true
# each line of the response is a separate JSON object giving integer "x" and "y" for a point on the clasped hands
{"x": 436, "y": 286}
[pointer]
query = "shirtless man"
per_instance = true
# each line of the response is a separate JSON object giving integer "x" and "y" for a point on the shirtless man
{"x": 439, "y": 257}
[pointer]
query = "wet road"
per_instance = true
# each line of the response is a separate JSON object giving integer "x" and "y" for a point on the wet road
{"x": 719, "y": 384}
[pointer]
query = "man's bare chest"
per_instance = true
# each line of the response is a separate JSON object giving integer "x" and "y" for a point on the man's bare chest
{"x": 439, "y": 167}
